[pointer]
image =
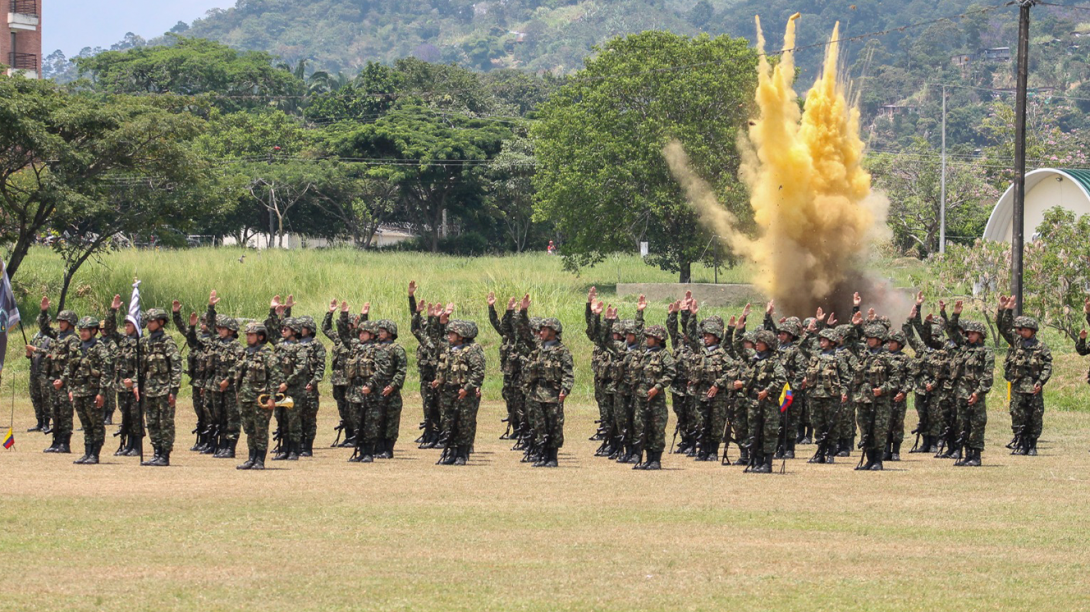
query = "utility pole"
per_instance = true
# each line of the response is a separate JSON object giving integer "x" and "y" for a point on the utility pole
{"x": 1019, "y": 222}
{"x": 942, "y": 197}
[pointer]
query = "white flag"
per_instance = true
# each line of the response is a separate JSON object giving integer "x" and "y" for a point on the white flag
{"x": 134, "y": 308}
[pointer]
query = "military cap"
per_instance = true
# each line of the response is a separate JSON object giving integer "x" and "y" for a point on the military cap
{"x": 256, "y": 328}
{"x": 388, "y": 325}
{"x": 156, "y": 314}
{"x": 713, "y": 328}
{"x": 898, "y": 337}
{"x": 68, "y": 316}
{"x": 976, "y": 326}
{"x": 553, "y": 324}
{"x": 656, "y": 331}
{"x": 307, "y": 322}
{"x": 1025, "y": 322}
{"x": 829, "y": 334}
{"x": 876, "y": 330}
{"x": 766, "y": 337}
{"x": 87, "y": 323}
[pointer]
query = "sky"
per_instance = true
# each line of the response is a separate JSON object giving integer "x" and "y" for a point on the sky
{"x": 71, "y": 25}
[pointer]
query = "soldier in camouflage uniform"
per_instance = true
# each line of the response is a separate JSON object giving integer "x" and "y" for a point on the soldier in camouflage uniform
{"x": 221, "y": 395}
{"x": 161, "y": 367}
{"x": 257, "y": 373}
{"x": 338, "y": 379}
{"x": 920, "y": 367}
{"x": 87, "y": 381}
{"x": 794, "y": 360}
{"x": 599, "y": 365}
{"x": 849, "y": 351}
{"x": 941, "y": 383}
{"x": 109, "y": 405}
{"x": 608, "y": 337}
{"x": 429, "y": 335}
{"x": 509, "y": 365}
{"x": 739, "y": 345}
{"x": 36, "y": 353}
{"x": 1028, "y": 368}
{"x": 712, "y": 374}
{"x": 64, "y": 343}
{"x": 902, "y": 371}
{"x": 765, "y": 386}
{"x": 684, "y": 402}
{"x": 1080, "y": 344}
{"x": 390, "y": 395}
{"x": 974, "y": 371}
{"x": 829, "y": 381}
{"x": 550, "y": 376}
{"x": 368, "y": 373}
{"x": 315, "y": 374}
{"x": 125, "y": 375}
{"x": 657, "y": 372}
{"x": 876, "y": 383}
{"x": 196, "y": 362}
{"x": 295, "y": 366}
{"x": 625, "y": 356}
{"x": 458, "y": 380}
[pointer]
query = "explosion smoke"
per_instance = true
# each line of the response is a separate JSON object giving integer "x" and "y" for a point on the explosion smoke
{"x": 810, "y": 196}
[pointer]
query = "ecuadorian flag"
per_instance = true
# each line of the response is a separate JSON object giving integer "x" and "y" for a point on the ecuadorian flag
{"x": 9, "y": 439}
{"x": 786, "y": 397}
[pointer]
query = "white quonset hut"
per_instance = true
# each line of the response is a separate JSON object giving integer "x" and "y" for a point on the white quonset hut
{"x": 1045, "y": 188}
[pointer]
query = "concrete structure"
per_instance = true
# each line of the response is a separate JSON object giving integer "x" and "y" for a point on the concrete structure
{"x": 21, "y": 40}
{"x": 705, "y": 293}
{"x": 384, "y": 237}
{"x": 1045, "y": 189}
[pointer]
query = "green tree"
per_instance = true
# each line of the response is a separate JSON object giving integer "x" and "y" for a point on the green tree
{"x": 510, "y": 190}
{"x": 601, "y": 177}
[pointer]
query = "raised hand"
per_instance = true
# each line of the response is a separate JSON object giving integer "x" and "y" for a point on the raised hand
{"x": 175, "y": 306}
{"x": 958, "y": 305}
{"x": 1082, "y": 334}
{"x": 857, "y": 299}
{"x": 116, "y": 303}
{"x": 525, "y": 305}
{"x": 421, "y": 307}
{"x": 693, "y": 306}
{"x": 912, "y": 313}
{"x": 45, "y": 303}
{"x": 344, "y": 306}
{"x": 290, "y": 302}
{"x": 820, "y": 315}
{"x": 871, "y": 315}
{"x": 491, "y": 298}
{"x": 412, "y": 287}
{"x": 919, "y": 298}
{"x": 1086, "y": 306}
{"x": 671, "y": 308}
{"x": 733, "y": 321}
{"x": 857, "y": 318}
{"x": 832, "y": 320}
{"x": 193, "y": 319}
{"x": 942, "y": 306}
{"x": 746, "y": 311}
{"x": 449, "y": 309}
{"x": 770, "y": 308}
{"x": 366, "y": 308}
{"x": 213, "y": 299}
{"x": 333, "y": 305}
{"x": 275, "y": 303}
{"x": 511, "y": 303}
{"x": 592, "y": 294}
{"x": 641, "y": 304}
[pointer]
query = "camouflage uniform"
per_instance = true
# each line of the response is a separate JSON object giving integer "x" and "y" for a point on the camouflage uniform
{"x": 658, "y": 371}
{"x": 849, "y": 352}
{"x": 63, "y": 345}
{"x": 769, "y": 376}
{"x": 1027, "y": 366}
{"x": 739, "y": 404}
{"x": 711, "y": 366}
{"x": 919, "y": 373}
{"x": 87, "y": 379}
{"x": 902, "y": 371}
{"x": 339, "y": 380}
{"x": 606, "y": 369}
{"x": 429, "y": 338}
{"x": 256, "y": 373}
{"x": 550, "y": 373}
{"x": 875, "y": 371}
{"x": 293, "y": 357}
{"x": 223, "y": 354}
{"x": 391, "y": 404}
{"x": 973, "y": 371}
{"x": 684, "y": 402}
{"x": 624, "y": 373}
{"x": 316, "y": 354}
{"x": 125, "y": 367}
{"x": 161, "y": 366}
{"x": 39, "y": 381}
{"x": 196, "y": 363}
{"x": 461, "y": 368}
{"x": 829, "y": 380}
{"x": 794, "y": 361}
{"x": 510, "y": 366}
{"x": 109, "y": 403}
{"x": 367, "y": 368}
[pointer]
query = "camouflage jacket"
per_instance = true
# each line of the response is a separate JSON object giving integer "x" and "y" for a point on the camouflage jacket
{"x": 428, "y": 333}
{"x": 197, "y": 359}
{"x": 876, "y": 371}
{"x": 1028, "y": 364}
{"x": 125, "y": 354}
{"x": 338, "y": 354}
{"x": 461, "y": 367}
{"x": 257, "y": 372}
{"x": 902, "y": 372}
{"x": 88, "y": 370}
{"x": 509, "y": 355}
{"x": 293, "y": 357}
{"x": 38, "y": 359}
{"x": 794, "y": 364}
{"x": 918, "y": 365}
{"x": 827, "y": 376}
{"x": 315, "y": 361}
{"x": 161, "y": 364}
{"x": 599, "y": 357}
{"x": 399, "y": 363}
{"x": 62, "y": 345}
{"x": 367, "y": 367}
{"x": 550, "y": 372}
{"x": 657, "y": 371}
{"x": 851, "y": 363}
{"x": 768, "y": 375}
{"x": 683, "y": 352}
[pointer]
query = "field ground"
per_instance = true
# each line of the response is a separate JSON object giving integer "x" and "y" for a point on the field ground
{"x": 405, "y": 534}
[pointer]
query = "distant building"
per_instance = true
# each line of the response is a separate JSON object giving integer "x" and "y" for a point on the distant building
{"x": 961, "y": 61}
{"x": 21, "y": 43}
{"x": 996, "y": 54}
{"x": 891, "y": 110}
{"x": 1045, "y": 188}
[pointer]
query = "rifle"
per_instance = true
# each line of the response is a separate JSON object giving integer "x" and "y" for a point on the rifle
{"x": 673, "y": 442}
{"x": 449, "y": 437}
{"x": 339, "y": 428}
{"x": 728, "y": 436}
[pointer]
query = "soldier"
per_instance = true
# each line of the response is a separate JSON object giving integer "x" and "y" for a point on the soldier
{"x": 974, "y": 371}
{"x": 765, "y": 385}
{"x": 125, "y": 371}
{"x": 429, "y": 334}
{"x": 256, "y": 374}
{"x": 1028, "y": 368}
{"x": 509, "y": 365}
{"x": 294, "y": 363}
{"x": 87, "y": 381}
{"x": 338, "y": 379}
{"x": 528, "y": 331}
{"x": 1080, "y": 344}
{"x": 920, "y": 367}
{"x": 458, "y": 380}
{"x": 196, "y": 362}
{"x": 683, "y": 401}
{"x": 794, "y": 361}
{"x": 712, "y": 376}
{"x": 64, "y": 343}
{"x": 599, "y": 360}
{"x": 315, "y": 374}
{"x": 626, "y": 355}
{"x": 875, "y": 386}
{"x": 657, "y": 372}
{"x": 740, "y": 347}
{"x": 161, "y": 366}
{"x": 37, "y": 352}
{"x": 829, "y": 381}
{"x": 549, "y": 377}
{"x": 902, "y": 371}
{"x": 368, "y": 373}
{"x": 849, "y": 350}
{"x": 390, "y": 394}
{"x": 109, "y": 405}
{"x": 609, "y": 367}
{"x": 221, "y": 396}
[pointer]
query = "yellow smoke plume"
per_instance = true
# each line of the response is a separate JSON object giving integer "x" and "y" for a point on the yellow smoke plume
{"x": 811, "y": 198}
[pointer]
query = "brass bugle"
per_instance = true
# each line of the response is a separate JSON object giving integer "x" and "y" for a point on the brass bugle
{"x": 282, "y": 401}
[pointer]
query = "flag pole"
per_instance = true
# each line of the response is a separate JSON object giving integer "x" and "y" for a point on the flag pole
{"x": 11, "y": 422}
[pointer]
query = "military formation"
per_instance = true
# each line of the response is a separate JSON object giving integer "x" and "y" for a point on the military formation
{"x": 755, "y": 394}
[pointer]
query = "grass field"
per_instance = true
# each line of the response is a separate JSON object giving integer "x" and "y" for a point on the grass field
{"x": 405, "y": 534}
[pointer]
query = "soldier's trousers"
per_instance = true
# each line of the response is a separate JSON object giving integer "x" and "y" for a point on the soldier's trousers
{"x": 604, "y": 399}
{"x": 553, "y": 413}
{"x": 683, "y": 414}
{"x": 431, "y": 404}
{"x": 825, "y": 419}
{"x": 624, "y": 406}
{"x": 225, "y": 406}
{"x": 391, "y": 416}
{"x": 845, "y": 427}
{"x": 535, "y": 418}
{"x": 342, "y": 410}
{"x": 255, "y": 422}
{"x": 1027, "y": 414}
{"x": 39, "y": 398}
{"x": 512, "y": 397}
{"x": 130, "y": 414}
{"x": 972, "y": 421}
{"x": 160, "y": 417}
{"x": 293, "y": 417}
{"x": 653, "y": 416}
{"x": 201, "y": 407}
{"x": 804, "y": 411}
{"x": 109, "y": 405}
{"x": 91, "y": 417}
{"x": 922, "y": 403}
{"x": 764, "y": 425}
{"x": 309, "y": 415}
{"x": 874, "y": 422}
{"x": 214, "y": 415}
{"x": 373, "y": 421}
{"x": 897, "y": 413}
{"x": 459, "y": 417}
{"x": 713, "y": 419}
{"x": 738, "y": 411}
{"x": 947, "y": 415}
{"x": 62, "y": 411}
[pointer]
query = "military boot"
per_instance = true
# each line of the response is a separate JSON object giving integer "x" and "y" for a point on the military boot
{"x": 55, "y": 446}
{"x": 461, "y": 456}
{"x": 552, "y": 461}
{"x": 136, "y": 447}
{"x": 974, "y": 458}
{"x": 844, "y": 448}
{"x": 93, "y": 458}
{"x": 163, "y": 460}
{"x": 895, "y": 453}
{"x": 743, "y": 458}
{"x": 763, "y": 464}
{"x": 638, "y": 465}
{"x": 710, "y": 452}
{"x": 381, "y": 450}
{"x": 229, "y": 450}
{"x": 37, "y": 427}
{"x": 389, "y": 450}
{"x": 46, "y": 427}
{"x": 154, "y": 456}
{"x": 654, "y": 461}
{"x": 308, "y": 447}
{"x": 1032, "y": 451}
{"x": 869, "y": 461}
{"x": 249, "y": 463}
{"x": 259, "y": 460}
{"x": 819, "y": 456}
{"x": 789, "y": 452}
{"x": 85, "y": 457}
{"x": 65, "y": 447}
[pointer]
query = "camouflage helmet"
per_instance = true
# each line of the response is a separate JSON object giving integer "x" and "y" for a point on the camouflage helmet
{"x": 898, "y": 337}
{"x": 553, "y": 324}
{"x": 712, "y": 327}
{"x": 291, "y": 323}
{"x": 535, "y": 324}
{"x": 68, "y": 316}
{"x": 876, "y": 330}
{"x": 809, "y": 320}
{"x": 456, "y": 327}
{"x": 656, "y": 331}
{"x": 792, "y": 327}
{"x": 87, "y": 323}
{"x": 750, "y": 337}
{"x": 842, "y": 331}
{"x": 829, "y": 334}
{"x": 1025, "y": 322}
{"x": 765, "y": 336}
{"x": 226, "y": 322}
{"x": 471, "y": 330}
{"x": 388, "y": 325}
{"x": 256, "y": 328}
{"x": 156, "y": 314}
{"x": 307, "y": 322}
{"x": 976, "y": 326}
{"x": 718, "y": 319}
{"x": 628, "y": 326}
{"x": 367, "y": 326}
